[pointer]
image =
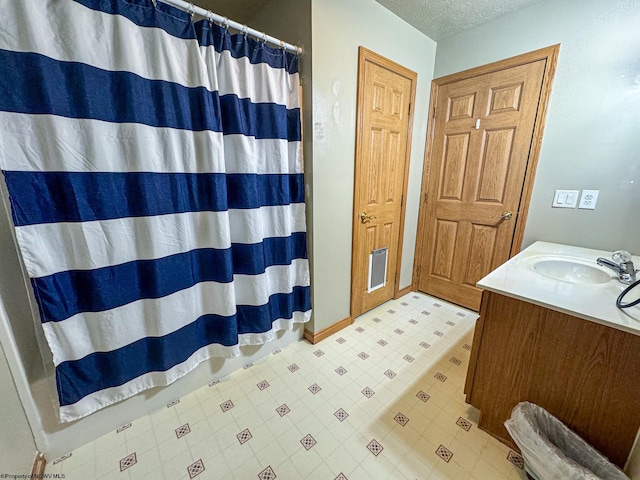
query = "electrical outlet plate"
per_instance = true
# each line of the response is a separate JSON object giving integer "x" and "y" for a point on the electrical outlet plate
{"x": 565, "y": 199}
{"x": 588, "y": 199}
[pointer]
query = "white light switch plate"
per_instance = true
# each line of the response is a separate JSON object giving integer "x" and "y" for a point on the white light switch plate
{"x": 588, "y": 199}
{"x": 565, "y": 199}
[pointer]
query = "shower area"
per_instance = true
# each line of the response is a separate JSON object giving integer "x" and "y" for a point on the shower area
{"x": 152, "y": 233}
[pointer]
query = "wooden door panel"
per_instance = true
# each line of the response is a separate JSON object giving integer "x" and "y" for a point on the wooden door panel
{"x": 479, "y": 259}
{"x": 444, "y": 249}
{"x": 494, "y": 165}
{"x": 461, "y": 107}
{"x": 385, "y": 91}
{"x": 482, "y": 144}
{"x": 454, "y": 162}
{"x": 505, "y": 98}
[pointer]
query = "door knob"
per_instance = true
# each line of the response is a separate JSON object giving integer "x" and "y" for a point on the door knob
{"x": 364, "y": 218}
{"x": 505, "y": 216}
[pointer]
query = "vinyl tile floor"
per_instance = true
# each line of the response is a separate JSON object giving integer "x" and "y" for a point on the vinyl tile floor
{"x": 381, "y": 399}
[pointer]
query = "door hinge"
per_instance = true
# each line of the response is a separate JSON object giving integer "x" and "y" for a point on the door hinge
{"x": 426, "y": 195}
{"x": 409, "y": 114}
{"x": 418, "y": 271}
{"x": 434, "y": 111}
{"x": 401, "y": 201}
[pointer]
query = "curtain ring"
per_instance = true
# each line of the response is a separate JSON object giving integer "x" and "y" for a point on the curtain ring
{"x": 282, "y": 44}
{"x": 225, "y": 23}
{"x": 155, "y": 3}
{"x": 245, "y": 31}
{"x": 192, "y": 11}
{"x": 264, "y": 38}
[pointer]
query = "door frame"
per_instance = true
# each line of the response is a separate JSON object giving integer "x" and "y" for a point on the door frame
{"x": 366, "y": 55}
{"x": 550, "y": 55}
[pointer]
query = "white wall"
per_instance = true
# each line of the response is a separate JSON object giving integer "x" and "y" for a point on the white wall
{"x": 592, "y": 135}
{"x": 338, "y": 28}
{"x": 17, "y": 447}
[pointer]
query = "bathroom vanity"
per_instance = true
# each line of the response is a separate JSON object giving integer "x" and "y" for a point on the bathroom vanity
{"x": 549, "y": 333}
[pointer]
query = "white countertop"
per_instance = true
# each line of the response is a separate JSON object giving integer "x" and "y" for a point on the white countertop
{"x": 516, "y": 278}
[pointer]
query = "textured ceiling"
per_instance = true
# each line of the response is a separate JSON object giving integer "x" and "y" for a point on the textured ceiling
{"x": 437, "y": 19}
{"x": 440, "y": 19}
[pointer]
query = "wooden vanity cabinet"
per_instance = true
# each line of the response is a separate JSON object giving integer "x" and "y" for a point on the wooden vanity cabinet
{"x": 584, "y": 373}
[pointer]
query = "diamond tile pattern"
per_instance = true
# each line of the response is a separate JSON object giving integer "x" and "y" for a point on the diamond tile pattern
{"x": 367, "y": 392}
{"x": 374, "y": 447}
{"x": 444, "y": 453}
{"x": 267, "y": 474}
{"x": 282, "y": 410}
{"x": 266, "y": 420}
{"x": 128, "y": 461}
{"x": 438, "y": 333}
{"x": 440, "y": 376}
{"x": 423, "y": 396}
{"x": 244, "y": 436}
{"x": 62, "y": 458}
{"x": 455, "y": 361}
{"x": 183, "y": 430}
{"x": 341, "y": 371}
{"x": 195, "y": 469}
{"x": 363, "y": 355}
{"x": 516, "y": 459}
{"x": 341, "y": 415}
{"x": 401, "y": 418}
{"x": 315, "y": 388}
{"x": 123, "y": 428}
{"x": 464, "y": 423}
{"x": 308, "y": 441}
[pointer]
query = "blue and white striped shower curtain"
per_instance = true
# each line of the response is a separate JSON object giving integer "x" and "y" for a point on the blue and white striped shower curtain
{"x": 154, "y": 171}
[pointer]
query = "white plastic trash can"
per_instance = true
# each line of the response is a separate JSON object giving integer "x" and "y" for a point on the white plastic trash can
{"x": 552, "y": 451}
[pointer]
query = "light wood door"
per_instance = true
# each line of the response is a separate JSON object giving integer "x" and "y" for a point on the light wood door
{"x": 482, "y": 138}
{"x": 385, "y": 93}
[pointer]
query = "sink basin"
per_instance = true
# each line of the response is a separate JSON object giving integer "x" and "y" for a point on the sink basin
{"x": 570, "y": 270}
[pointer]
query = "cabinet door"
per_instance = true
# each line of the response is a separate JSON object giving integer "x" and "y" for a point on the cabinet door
{"x": 584, "y": 373}
{"x": 503, "y": 367}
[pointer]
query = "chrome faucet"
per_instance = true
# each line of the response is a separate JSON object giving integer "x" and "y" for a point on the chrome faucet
{"x": 624, "y": 268}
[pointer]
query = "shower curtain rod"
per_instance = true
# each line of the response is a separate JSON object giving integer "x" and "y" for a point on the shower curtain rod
{"x": 191, "y": 8}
